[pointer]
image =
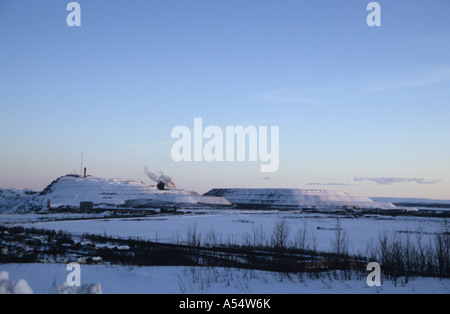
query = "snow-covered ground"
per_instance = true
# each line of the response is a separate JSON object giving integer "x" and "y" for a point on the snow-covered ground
{"x": 46, "y": 278}
{"x": 224, "y": 226}
{"x": 236, "y": 226}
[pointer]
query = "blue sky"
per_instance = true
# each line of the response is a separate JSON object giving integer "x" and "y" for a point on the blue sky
{"x": 354, "y": 103}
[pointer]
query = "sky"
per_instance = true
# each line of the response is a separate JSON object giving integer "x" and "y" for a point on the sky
{"x": 360, "y": 109}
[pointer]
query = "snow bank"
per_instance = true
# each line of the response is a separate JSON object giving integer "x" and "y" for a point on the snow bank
{"x": 21, "y": 286}
{"x": 11, "y": 287}
{"x": 95, "y": 288}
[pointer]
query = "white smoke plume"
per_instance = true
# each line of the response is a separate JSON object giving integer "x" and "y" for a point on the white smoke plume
{"x": 161, "y": 177}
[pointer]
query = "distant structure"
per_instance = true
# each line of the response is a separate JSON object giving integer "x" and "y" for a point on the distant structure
{"x": 86, "y": 207}
{"x": 81, "y": 165}
{"x": 161, "y": 186}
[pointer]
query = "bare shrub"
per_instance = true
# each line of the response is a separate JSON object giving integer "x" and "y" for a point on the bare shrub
{"x": 193, "y": 236}
{"x": 442, "y": 251}
{"x": 340, "y": 243}
{"x": 212, "y": 239}
{"x": 301, "y": 240}
{"x": 314, "y": 242}
{"x": 258, "y": 236}
{"x": 280, "y": 235}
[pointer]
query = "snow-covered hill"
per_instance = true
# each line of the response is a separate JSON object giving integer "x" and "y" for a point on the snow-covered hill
{"x": 419, "y": 203}
{"x": 297, "y": 199}
{"x": 11, "y": 198}
{"x": 70, "y": 190}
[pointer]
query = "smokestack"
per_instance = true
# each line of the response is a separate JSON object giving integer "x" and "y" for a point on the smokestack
{"x": 85, "y": 172}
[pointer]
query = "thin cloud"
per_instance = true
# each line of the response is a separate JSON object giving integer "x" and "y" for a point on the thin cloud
{"x": 328, "y": 184}
{"x": 425, "y": 78}
{"x": 324, "y": 95}
{"x": 392, "y": 180}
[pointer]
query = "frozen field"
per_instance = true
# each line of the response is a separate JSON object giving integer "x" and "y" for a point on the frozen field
{"x": 236, "y": 226}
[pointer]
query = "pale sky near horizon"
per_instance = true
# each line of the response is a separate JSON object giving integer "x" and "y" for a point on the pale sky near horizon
{"x": 360, "y": 109}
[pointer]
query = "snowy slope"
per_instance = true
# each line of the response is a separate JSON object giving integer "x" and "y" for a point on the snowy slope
{"x": 11, "y": 198}
{"x": 409, "y": 200}
{"x": 70, "y": 190}
{"x": 296, "y": 198}
{"x": 420, "y": 203}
